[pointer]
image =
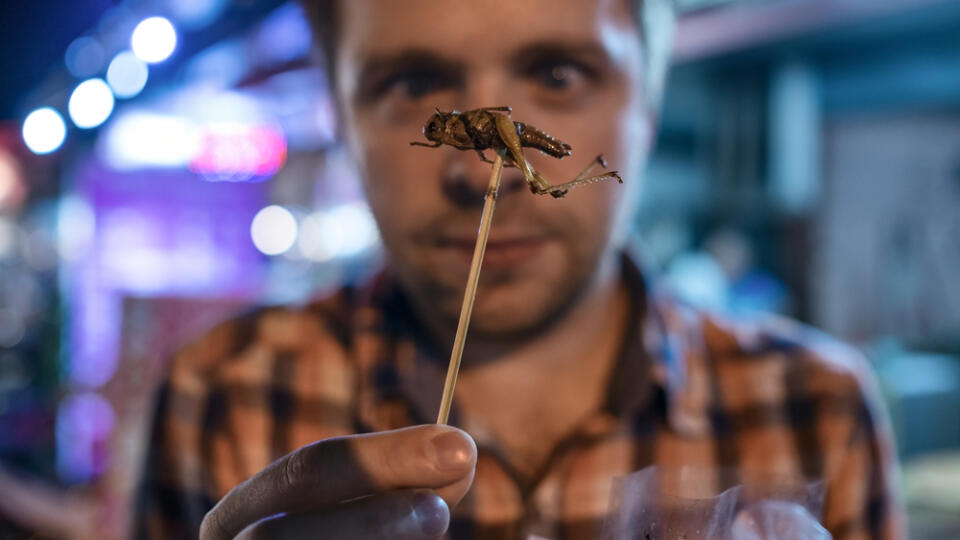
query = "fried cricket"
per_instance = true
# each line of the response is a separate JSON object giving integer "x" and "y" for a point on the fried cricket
{"x": 492, "y": 128}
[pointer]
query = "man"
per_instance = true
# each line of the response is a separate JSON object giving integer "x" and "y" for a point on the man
{"x": 577, "y": 369}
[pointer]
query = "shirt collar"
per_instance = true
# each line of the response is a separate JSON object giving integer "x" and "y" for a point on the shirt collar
{"x": 664, "y": 346}
{"x": 668, "y": 342}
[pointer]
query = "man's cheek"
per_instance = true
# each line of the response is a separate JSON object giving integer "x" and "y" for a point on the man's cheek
{"x": 387, "y": 185}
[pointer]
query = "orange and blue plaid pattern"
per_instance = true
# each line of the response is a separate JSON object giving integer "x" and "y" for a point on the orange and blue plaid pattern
{"x": 738, "y": 400}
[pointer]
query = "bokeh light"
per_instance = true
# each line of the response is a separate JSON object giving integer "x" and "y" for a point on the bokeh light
{"x": 84, "y": 57}
{"x": 196, "y": 13}
{"x": 76, "y": 225}
{"x": 154, "y": 39}
{"x": 342, "y": 231}
{"x": 127, "y": 74}
{"x": 274, "y": 230}
{"x": 44, "y": 130}
{"x": 90, "y": 103}
{"x": 138, "y": 139}
{"x": 236, "y": 152}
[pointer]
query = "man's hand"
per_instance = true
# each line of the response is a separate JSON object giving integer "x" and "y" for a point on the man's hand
{"x": 395, "y": 484}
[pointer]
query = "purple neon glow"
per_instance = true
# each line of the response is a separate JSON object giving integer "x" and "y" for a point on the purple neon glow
{"x": 155, "y": 233}
{"x": 84, "y": 424}
{"x": 158, "y": 233}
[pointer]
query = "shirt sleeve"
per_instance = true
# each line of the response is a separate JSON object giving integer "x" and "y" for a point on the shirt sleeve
{"x": 177, "y": 488}
{"x": 248, "y": 392}
{"x": 863, "y": 497}
{"x": 169, "y": 505}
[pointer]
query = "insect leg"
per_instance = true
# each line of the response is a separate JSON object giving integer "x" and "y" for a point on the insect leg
{"x": 428, "y": 145}
{"x": 560, "y": 190}
{"x": 483, "y": 157}
{"x": 508, "y": 134}
{"x": 581, "y": 179}
{"x": 597, "y": 161}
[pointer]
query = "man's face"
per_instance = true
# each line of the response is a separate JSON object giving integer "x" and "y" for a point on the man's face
{"x": 572, "y": 69}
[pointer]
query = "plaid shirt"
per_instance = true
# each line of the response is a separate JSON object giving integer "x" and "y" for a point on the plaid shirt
{"x": 735, "y": 400}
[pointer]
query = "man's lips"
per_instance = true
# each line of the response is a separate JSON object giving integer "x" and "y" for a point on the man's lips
{"x": 500, "y": 251}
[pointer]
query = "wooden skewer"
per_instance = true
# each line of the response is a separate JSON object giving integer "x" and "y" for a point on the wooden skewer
{"x": 489, "y": 201}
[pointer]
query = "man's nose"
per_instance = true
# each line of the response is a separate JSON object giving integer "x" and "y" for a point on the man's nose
{"x": 466, "y": 178}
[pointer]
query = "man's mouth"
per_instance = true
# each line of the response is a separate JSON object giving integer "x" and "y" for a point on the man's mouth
{"x": 501, "y": 252}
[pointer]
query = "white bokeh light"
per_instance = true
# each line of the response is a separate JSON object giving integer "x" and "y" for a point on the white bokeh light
{"x": 90, "y": 103}
{"x": 154, "y": 40}
{"x": 274, "y": 230}
{"x": 44, "y": 130}
{"x": 139, "y": 139}
{"x": 342, "y": 231}
{"x": 314, "y": 242}
{"x": 127, "y": 74}
{"x": 76, "y": 227}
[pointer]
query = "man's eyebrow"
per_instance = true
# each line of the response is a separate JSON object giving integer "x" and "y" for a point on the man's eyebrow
{"x": 406, "y": 59}
{"x": 560, "y": 47}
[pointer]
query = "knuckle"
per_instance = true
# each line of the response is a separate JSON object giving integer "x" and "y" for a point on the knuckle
{"x": 314, "y": 464}
{"x": 293, "y": 469}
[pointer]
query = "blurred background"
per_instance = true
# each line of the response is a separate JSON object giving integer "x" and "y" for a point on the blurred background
{"x": 166, "y": 163}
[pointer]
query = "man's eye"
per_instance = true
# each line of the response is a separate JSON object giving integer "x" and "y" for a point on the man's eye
{"x": 558, "y": 76}
{"x": 413, "y": 85}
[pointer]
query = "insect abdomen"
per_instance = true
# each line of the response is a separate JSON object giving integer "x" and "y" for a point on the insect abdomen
{"x": 534, "y": 138}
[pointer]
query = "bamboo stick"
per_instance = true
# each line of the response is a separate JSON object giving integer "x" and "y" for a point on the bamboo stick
{"x": 489, "y": 202}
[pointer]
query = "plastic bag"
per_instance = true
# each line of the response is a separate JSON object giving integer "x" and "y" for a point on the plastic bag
{"x": 774, "y": 520}
{"x": 656, "y": 504}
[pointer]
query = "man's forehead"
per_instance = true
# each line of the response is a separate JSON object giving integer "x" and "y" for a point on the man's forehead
{"x": 377, "y": 28}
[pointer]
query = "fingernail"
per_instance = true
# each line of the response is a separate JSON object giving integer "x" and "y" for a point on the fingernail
{"x": 431, "y": 513}
{"x": 451, "y": 451}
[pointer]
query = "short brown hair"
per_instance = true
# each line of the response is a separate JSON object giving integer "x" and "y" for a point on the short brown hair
{"x": 654, "y": 18}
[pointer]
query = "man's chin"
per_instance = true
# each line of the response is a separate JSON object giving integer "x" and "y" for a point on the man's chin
{"x": 500, "y": 326}
{"x": 519, "y": 315}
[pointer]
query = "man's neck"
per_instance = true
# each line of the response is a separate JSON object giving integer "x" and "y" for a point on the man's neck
{"x": 513, "y": 392}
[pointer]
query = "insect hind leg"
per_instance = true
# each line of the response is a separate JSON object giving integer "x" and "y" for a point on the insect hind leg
{"x": 560, "y": 190}
{"x": 544, "y": 187}
{"x": 596, "y": 161}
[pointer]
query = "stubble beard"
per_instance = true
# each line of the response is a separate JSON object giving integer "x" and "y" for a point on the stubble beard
{"x": 438, "y": 301}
